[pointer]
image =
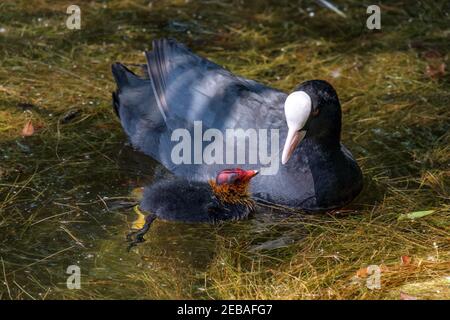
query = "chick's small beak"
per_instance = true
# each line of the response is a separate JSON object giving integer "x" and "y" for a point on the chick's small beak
{"x": 251, "y": 173}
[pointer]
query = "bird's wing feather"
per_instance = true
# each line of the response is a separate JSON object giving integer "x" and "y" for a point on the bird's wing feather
{"x": 189, "y": 88}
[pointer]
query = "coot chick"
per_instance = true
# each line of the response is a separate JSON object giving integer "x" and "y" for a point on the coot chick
{"x": 225, "y": 198}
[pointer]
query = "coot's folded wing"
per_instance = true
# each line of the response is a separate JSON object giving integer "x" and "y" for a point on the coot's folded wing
{"x": 190, "y": 88}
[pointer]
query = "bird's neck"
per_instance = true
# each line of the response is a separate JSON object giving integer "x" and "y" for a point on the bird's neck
{"x": 330, "y": 143}
{"x": 328, "y": 137}
{"x": 238, "y": 193}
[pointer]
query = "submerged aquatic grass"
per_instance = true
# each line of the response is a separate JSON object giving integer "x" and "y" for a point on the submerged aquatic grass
{"x": 65, "y": 190}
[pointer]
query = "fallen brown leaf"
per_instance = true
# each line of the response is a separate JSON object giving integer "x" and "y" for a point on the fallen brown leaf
{"x": 405, "y": 296}
{"x": 362, "y": 273}
{"x": 435, "y": 71}
{"x": 28, "y": 129}
{"x": 405, "y": 260}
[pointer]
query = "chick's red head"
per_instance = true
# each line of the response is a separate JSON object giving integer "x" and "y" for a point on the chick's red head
{"x": 235, "y": 176}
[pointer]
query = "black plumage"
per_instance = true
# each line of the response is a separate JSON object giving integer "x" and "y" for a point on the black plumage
{"x": 190, "y": 201}
{"x": 183, "y": 87}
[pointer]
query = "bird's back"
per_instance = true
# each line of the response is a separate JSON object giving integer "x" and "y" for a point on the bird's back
{"x": 183, "y": 90}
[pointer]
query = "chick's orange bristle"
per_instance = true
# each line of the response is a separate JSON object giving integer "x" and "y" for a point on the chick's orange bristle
{"x": 237, "y": 193}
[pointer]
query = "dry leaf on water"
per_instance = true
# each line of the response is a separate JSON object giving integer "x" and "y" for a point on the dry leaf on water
{"x": 362, "y": 273}
{"x": 28, "y": 129}
{"x": 435, "y": 71}
{"x": 405, "y": 260}
{"x": 436, "y": 66}
{"x": 405, "y": 296}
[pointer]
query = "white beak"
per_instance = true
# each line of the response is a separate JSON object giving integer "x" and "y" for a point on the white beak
{"x": 293, "y": 139}
{"x": 297, "y": 109}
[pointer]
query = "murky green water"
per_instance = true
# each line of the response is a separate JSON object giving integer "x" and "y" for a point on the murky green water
{"x": 77, "y": 211}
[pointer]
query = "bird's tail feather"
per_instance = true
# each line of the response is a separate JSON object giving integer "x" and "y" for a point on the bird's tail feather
{"x": 124, "y": 77}
{"x": 159, "y": 67}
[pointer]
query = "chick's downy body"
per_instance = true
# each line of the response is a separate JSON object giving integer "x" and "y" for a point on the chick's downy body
{"x": 225, "y": 198}
{"x": 192, "y": 201}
